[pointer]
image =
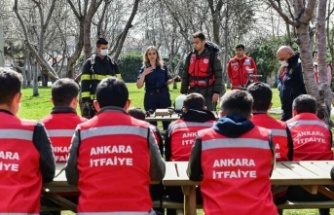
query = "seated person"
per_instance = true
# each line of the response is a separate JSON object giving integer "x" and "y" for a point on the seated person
{"x": 140, "y": 114}
{"x": 113, "y": 157}
{"x": 234, "y": 160}
{"x": 281, "y": 135}
{"x": 312, "y": 140}
{"x": 182, "y": 132}
{"x": 26, "y": 157}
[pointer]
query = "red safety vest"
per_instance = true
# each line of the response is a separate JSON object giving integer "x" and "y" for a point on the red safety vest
{"x": 182, "y": 137}
{"x": 61, "y": 127}
{"x": 114, "y": 165}
{"x": 237, "y": 70}
{"x": 155, "y": 132}
{"x": 199, "y": 71}
{"x": 311, "y": 138}
{"x": 279, "y": 135}
{"x": 21, "y": 178}
{"x": 235, "y": 171}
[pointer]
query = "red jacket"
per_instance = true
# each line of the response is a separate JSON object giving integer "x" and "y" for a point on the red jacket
{"x": 237, "y": 71}
{"x": 237, "y": 170}
{"x": 61, "y": 125}
{"x": 21, "y": 178}
{"x": 312, "y": 138}
{"x": 182, "y": 136}
{"x": 280, "y": 134}
{"x": 113, "y": 164}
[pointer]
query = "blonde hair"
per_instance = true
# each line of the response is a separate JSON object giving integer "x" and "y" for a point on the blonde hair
{"x": 159, "y": 62}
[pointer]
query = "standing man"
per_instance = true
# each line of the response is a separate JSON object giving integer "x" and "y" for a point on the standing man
{"x": 95, "y": 69}
{"x": 113, "y": 157}
{"x": 26, "y": 156}
{"x": 292, "y": 80}
{"x": 238, "y": 68}
{"x": 316, "y": 69}
{"x": 203, "y": 71}
{"x": 63, "y": 120}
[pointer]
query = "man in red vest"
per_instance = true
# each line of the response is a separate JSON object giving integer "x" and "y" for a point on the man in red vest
{"x": 26, "y": 158}
{"x": 203, "y": 71}
{"x": 281, "y": 135}
{"x": 234, "y": 160}
{"x": 63, "y": 120}
{"x": 238, "y": 68}
{"x": 113, "y": 157}
{"x": 182, "y": 133}
{"x": 312, "y": 139}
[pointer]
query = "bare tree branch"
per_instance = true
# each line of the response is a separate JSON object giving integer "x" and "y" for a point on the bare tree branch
{"x": 282, "y": 14}
{"x": 74, "y": 9}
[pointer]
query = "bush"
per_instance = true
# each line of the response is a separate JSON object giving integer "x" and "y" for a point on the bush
{"x": 129, "y": 65}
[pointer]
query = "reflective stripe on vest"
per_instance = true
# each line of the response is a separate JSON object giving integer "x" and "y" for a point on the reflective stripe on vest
{"x": 113, "y": 130}
{"x": 307, "y": 122}
{"x": 117, "y": 213}
{"x": 16, "y": 134}
{"x": 234, "y": 143}
{"x": 279, "y": 132}
{"x": 61, "y": 132}
{"x": 191, "y": 124}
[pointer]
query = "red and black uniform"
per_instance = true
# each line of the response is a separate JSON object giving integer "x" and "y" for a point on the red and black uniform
{"x": 237, "y": 71}
{"x": 234, "y": 161}
{"x": 107, "y": 153}
{"x": 283, "y": 146}
{"x": 203, "y": 74}
{"x": 26, "y": 161}
{"x": 180, "y": 139}
{"x": 61, "y": 124}
{"x": 312, "y": 138}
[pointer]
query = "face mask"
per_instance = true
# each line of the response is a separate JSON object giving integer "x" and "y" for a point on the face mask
{"x": 283, "y": 63}
{"x": 104, "y": 52}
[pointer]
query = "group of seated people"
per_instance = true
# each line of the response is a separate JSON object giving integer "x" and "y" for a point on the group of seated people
{"x": 113, "y": 157}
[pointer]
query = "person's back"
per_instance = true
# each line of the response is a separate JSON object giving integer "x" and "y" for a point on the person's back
{"x": 182, "y": 132}
{"x": 312, "y": 138}
{"x": 113, "y": 156}
{"x": 26, "y": 159}
{"x": 234, "y": 161}
{"x": 63, "y": 120}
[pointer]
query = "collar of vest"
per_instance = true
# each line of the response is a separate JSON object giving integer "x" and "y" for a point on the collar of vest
{"x": 259, "y": 112}
{"x": 198, "y": 116}
{"x": 56, "y": 110}
{"x": 6, "y": 111}
{"x": 233, "y": 125}
{"x": 112, "y": 109}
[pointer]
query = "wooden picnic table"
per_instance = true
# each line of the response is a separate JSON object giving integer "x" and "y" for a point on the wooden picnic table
{"x": 311, "y": 175}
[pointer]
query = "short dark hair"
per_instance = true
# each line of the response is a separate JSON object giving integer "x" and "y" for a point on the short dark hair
{"x": 199, "y": 35}
{"x": 101, "y": 41}
{"x": 63, "y": 91}
{"x": 261, "y": 94}
{"x": 137, "y": 113}
{"x": 112, "y": 92}
{"x": 240, "y": 46}
{"x": 314, "y": 52}
{"x": 10, "y": 85}
{"x": 237, "y": 102}
{"x": 194, "y": 101}
{"x": 305, "y": 104}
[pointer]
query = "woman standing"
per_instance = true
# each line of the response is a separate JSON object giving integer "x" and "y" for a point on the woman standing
{"x": 156, "y": 78}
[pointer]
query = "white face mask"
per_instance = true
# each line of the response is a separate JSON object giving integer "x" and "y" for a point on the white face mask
{"x": 104, "y": 52}
{"x": 283, "y": 63}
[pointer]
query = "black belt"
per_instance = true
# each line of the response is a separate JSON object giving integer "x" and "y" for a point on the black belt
{"x": 157, "y": 90}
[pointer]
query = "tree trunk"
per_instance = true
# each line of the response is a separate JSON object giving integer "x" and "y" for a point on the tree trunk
{"x": 2, "y": 55}
{"x": 71, "y": 61}
{"x": 325, "y": 92}
{"x": 35, "y": 80}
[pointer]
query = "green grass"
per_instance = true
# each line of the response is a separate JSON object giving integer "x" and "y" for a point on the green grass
{"x": 40, "y": 106}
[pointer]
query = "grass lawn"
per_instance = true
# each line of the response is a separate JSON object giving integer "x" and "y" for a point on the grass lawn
{"x": 38, "y": 107}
